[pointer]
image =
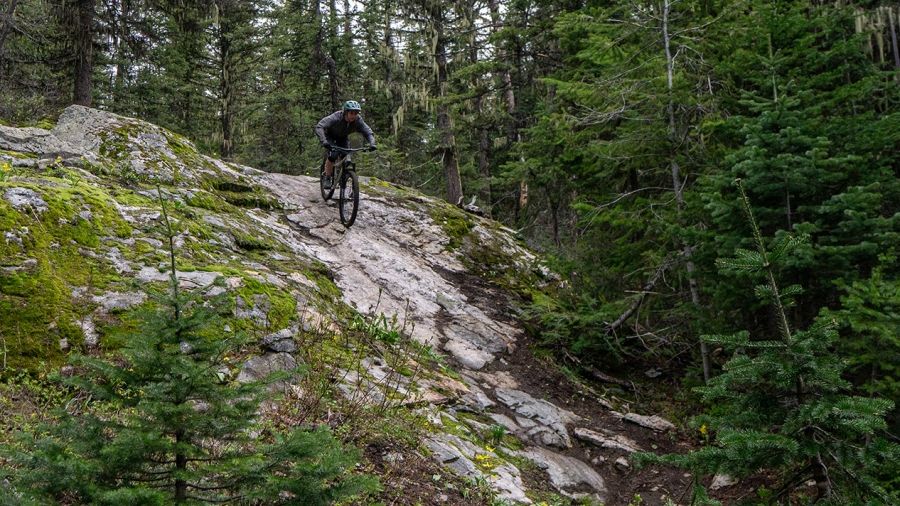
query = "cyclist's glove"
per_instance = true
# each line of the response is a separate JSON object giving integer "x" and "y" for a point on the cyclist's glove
{"x": 327, "y": 145}
{"x": 372, "y": 148}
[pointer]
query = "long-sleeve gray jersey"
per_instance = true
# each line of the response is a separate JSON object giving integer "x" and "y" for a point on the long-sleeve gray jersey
{"x": 333, "y": 127}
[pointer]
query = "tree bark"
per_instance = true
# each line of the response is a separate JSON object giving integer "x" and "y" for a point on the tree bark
{"x": 348, "y": 36}
{"x": 7, "y": 23}
{"x": 84, "y": 52}
{"x": 890, "y": 16}
{"x": 323, "y": 57}
{"x": 509, "y": 98}
{"x": 121, "y": 35}
{"x": 444, "y": 121}
{"x": 226, "y": 84}
{"x": 181, "y": 466}
{"x": 677, "y": 184}
{"x": 484, "y": 140}
{"x": 331, "y": 60}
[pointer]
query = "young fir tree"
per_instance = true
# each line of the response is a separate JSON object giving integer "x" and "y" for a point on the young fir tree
{"x": 870, "y": 313}
{"x": 164, "y": 426}
{"x": 812, "y": 128}
{"x": 780, "y": 402}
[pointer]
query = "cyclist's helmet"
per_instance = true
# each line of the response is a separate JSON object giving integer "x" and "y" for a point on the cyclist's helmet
{"x": 352, "y": 105}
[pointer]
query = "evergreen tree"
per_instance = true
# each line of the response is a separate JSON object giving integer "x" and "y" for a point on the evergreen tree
{"x": 870, "y": 319}
{"x": 613, "y": 158}
{"x": 780, "y": 402}
{"x": 814, "y": 136}
{"x": 165, "y": 426}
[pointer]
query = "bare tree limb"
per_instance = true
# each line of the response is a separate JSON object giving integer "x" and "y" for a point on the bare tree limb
{"x": 642, "y": 295}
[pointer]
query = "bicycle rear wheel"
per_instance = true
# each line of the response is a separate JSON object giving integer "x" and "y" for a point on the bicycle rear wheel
{"x": 348, "y": 199}
{"x": 326, "y": 193}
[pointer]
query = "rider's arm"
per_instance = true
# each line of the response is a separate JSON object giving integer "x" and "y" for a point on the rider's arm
{"x": 322, "y": 125}
{"x": 366, "y": 131}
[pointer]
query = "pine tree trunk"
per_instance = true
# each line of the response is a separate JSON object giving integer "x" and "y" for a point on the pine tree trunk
{"x": 226, "y": 85}
{"x": 348, "y": 36}
{"x": 121, "y": 35}
{"x": 331, "y": 60}
{"x": 444, "y": 122}
{"x": 7, "y": 23}
{"x": 509, "y": 98}
{"x": 484, "y": 141}
{"x": 677, "y": 184}
{"x": 181, "y": 467}
{"x": 84, "y": 52}
{"x": 323, "y": 58}
{"x": 389, "y": 59}
{"x": 893, "y": 38}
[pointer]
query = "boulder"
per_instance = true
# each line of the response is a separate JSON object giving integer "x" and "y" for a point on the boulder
{"x": 460, "y": 456}
{"x": 25, "y": 200}
{"x": 654, "y": 422}
{"x": 281, "y": 341}
{"x": 261, "y": 367}
{"x": 611, "y": 442}
{"x": 550, "y": 420}
{"x": 568, "y": 475}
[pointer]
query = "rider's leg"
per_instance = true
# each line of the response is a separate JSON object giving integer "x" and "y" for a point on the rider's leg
{"x": 333, "y": 156}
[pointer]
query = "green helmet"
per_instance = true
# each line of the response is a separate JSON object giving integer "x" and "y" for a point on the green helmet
{"x": 352, "y": 105}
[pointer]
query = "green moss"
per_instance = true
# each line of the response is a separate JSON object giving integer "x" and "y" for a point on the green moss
{"x": 251, "y": 243}
{"x": 456, "y": 223}
{"x": 132, "y": 198}
{"x": 36, "y": 305}
{"x": 209, "y": 201}
{"x": 320, "y": 275}
{"x": 9, "y": 218}
{"x": 18, "y": 154}
{"x": 452, "y": 426}
{"x": 250, "y": 200}
{"x": 232, "y": 187}
{"x": 239, "y": 193}
{"x": 180, "y": 145}
{"x": 114, "y": 144}
{"x": 282, "y": 305}
{"x": 36, "y": 311}
{"x": 186, "y": 152}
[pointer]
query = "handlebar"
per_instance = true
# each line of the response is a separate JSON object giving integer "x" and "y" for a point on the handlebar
{"x": 350, "y": 150}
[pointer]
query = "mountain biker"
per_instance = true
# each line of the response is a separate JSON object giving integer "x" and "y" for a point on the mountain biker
{"x": 333, "y": 131}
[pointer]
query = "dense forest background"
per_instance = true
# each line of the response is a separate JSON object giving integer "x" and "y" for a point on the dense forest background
{"x": 608, "y": 133}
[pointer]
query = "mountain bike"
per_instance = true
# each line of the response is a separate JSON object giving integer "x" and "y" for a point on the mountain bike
{"x": 345, "y": 179}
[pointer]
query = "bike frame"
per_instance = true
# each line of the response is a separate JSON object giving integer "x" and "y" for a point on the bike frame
{"x": 345, "y": 172}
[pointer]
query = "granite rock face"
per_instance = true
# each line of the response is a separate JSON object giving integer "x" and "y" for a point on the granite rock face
{"x": 269, "y": 245}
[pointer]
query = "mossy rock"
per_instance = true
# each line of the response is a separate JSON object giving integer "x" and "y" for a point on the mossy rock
{"x": 249, "y": 242}
{"x": 43, "y": 259}
{"x": 455, "y": 223}
{"x": 18, "y": 154}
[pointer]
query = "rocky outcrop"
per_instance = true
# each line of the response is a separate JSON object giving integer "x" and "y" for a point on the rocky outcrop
{"x": 269, "y": 245}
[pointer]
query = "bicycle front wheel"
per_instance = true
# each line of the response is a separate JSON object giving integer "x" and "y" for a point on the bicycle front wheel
{"x": 348, "y": 200}
{"x": 326, "y": 192}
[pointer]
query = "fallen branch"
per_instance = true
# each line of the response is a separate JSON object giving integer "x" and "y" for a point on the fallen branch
{"x": 645, "y": 290}
{"x": 597, "y": 374}
{"x": 606, "y": 378}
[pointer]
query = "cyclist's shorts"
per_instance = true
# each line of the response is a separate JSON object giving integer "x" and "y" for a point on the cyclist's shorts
{"x": 334, "y": 155}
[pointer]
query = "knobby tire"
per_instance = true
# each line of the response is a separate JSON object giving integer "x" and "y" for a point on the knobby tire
{"x": 348, "y": 202}
{"x": 326, "y": 193}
